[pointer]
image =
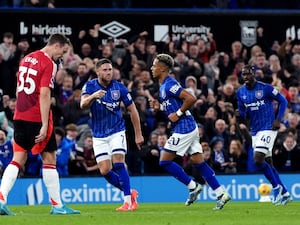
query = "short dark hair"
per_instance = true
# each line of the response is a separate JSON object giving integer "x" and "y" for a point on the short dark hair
{"x": 58, "y": 38}
{"x": 4, "y": 131}
{"x": 166, "y": 59}
{"x": 60, "y": 131}
{"x": 100, "y": 62}
{"x": 248, "y": 69}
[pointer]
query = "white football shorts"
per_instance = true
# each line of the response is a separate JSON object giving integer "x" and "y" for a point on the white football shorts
{"x": 263, "y": 141}
{"x": 184, "y": 143}
{"x": 104, "y": 148}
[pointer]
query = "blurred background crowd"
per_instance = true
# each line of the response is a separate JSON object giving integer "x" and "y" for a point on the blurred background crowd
{"x": 212, "y": 76}
{"x": 226, "y": 4}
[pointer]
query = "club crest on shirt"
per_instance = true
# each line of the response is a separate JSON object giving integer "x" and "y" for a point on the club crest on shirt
{"x": 259, "y": 94}
{"x": 115, "y": 94}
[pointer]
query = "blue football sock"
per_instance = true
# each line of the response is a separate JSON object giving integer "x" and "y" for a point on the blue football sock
{"x": 268, "y": 172}
{"x": 176, "y": 171}
{"x": 276, "y": 174}
{"x": 123, "y": 177}
{"x": 113, "y": 179}
{"x": 208, "y": 174}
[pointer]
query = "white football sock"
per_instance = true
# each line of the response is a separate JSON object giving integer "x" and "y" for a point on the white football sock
{"x": 192, "y": 184}
{"x": 51, "y": 180}
{"x": 8, "y": 180}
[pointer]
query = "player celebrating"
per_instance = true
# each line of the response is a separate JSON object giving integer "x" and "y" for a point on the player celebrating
{"x": 33, "y": 124}
{"x": 255, "y": 101}
{"x": 104, "y": 96}
{"x": 185, "y": 138}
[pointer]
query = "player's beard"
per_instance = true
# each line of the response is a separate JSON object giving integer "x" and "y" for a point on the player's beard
{"x": 105, "y": 82}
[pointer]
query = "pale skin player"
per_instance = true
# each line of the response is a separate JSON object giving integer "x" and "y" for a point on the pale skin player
{"x": 104, "y": 96}
{"x": 33, "y": 124}
{"x": 104, "y": 79}
{"x": 55, "y": 52}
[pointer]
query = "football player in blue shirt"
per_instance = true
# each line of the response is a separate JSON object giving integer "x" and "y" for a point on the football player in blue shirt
{"x": 105, "y": 96}
{"x": 256, "y": 102}
{"x": 175, "y": 101}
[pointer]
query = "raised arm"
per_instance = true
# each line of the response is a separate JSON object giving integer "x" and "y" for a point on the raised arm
{"x": 87, "y": 100}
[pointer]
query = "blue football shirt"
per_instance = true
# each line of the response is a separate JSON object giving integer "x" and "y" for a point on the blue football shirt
{"x": 169, "y": 92}
{"x": 258, "y": 105}
{"x": 106, "y": 112}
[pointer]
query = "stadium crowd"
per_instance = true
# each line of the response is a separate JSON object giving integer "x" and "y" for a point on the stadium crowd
{"x": 212, "y": 76}
{"x": 193, "y": 4}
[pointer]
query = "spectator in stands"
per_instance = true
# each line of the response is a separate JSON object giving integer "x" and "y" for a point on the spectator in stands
{"x": 296, "y": 64}
{"x": 121, "y": 56}
{"x": 71, "y": 59}
{"x": 88, "y": 43}
{"x": 277, "y": 83}
{"x": 237, "y": 157}
{"x": 149, "y": 84}
{"x": 71, "y": 111}
{"x": 6, "y": 151}
{"x": 146, "y": 115}
{"x": 287, "y": 156}
{"x": 10, "y": 110}
{"x": 262, "y": 70}
{"x": 193, "y": 67}
{"x": 89, "y": 159}
{"x": 3, "y": 100}
{"x": 192, "y": 87}
{"x": 181, "y": 66}
{"x": 219, "y": 154}
{"x": 227, "y": 94}
{"x": 212, "y": 71}
{"x": 221, "y": 130}
{"x": 75, "y": 157}
{"x": 237, "y": 69}
{"x": 206, "y": 48}
{"x": 294, "y": 103}
{"x": 150, "y": 154}
{"x": 255, "y": 50}
{"x": 293, "y": 49}
{"x": 23, "y": 48}
{"x": 223, "y": 64}
{"x": 288, "y": 76}
{"x": 86, "y": 50}
{"x": 136, "y": 72}
{"x": 237, "y": 53}
{"x": 81, "y": 75}
{"x": 138, "y": 43}
{"x": 208, "y": 121}
{"x": 294, "y": 122}
{"x": 139, "y": 89}
{"x": 234, "y": 81}
{"x": 62, "y": 93}
{"x": 4, "y": 125}
{"x": 33, "y": 166}
{"x": 7, "y": 67}
{"x": 62, "y": 153}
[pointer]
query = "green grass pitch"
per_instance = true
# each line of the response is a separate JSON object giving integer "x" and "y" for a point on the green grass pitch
{"x": 234, "y": 213}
